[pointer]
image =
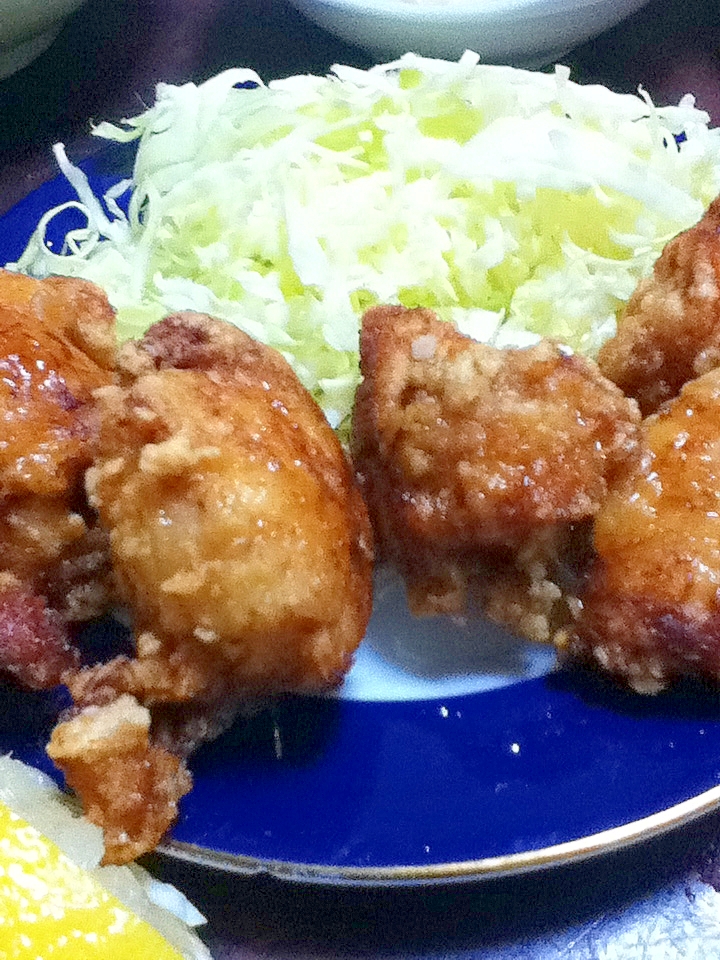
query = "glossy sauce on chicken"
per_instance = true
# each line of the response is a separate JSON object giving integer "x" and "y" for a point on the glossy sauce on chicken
{"x": 57, "y": 345}
{"x": 650, "y": 612}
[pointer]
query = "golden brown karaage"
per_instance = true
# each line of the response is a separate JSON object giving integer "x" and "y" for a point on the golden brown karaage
{"x": 241, "y": 546}
{"x": 669, "y": 332}
{"x": 483, "y": 467}
{"x": 650, "y": 612}
{"x": 57, "y": 345}
{"x": 239, "y": 539}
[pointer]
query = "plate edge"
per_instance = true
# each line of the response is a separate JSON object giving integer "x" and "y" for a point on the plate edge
{"x": 571, "y": 851}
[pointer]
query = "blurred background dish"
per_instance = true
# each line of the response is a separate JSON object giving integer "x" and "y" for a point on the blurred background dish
{"x": 526, "y": 33}
{"x": 28, "y": 27}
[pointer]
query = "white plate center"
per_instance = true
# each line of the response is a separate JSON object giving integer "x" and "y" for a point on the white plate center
{"x": 408, "y": 658}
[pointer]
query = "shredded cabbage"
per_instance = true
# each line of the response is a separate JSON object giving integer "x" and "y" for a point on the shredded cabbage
{"x": 516, "y": 204}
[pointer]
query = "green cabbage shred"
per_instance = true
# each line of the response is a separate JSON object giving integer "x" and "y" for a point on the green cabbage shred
{"x": 516, "y": 204}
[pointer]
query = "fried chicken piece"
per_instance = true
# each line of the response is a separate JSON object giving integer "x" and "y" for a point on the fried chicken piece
{"x": 669, "y": 332}
{"x": 482, "y": 467}
{"x": 242, "y": 547}
{"x": 57, "y": 345}
{"x": 239, "y": 539}
{"x": 651, "y": 612}
{"x": 130, "y": 787}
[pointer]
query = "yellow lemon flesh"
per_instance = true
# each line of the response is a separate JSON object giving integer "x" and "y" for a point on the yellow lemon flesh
{"x": 51, "y": 908}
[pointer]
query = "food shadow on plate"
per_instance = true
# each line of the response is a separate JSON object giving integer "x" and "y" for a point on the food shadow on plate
{"x": 102, "y": 639}
{"x": 295, "y": 729}
{"x": 26, "y": 719}
{"x": 689, "y": 698}
{"x": 290, "y": 729}
{"x": 279, "y": 786}
{"x": 28, "y": 711}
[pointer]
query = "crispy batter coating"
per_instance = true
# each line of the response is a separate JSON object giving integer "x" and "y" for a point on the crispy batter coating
{"x": 76, "y": 310}
{"x": 484, "y": 464}
{"x": 670, "y": 330}
{"x": 60, "y": 551}
{"x": 49, "y": 370}
{"x": 57, "y": 345}
{"x": 651, "y": 610}
{"x": 129, "y": 785}
{"x": 239, "y": 538}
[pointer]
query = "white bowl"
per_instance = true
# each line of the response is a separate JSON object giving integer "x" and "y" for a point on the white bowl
{"x": 526, "y": 33}
{"x": 27, "y": 27}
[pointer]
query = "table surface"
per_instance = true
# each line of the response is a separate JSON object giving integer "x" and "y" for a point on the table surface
{"x": 656, "y": 899}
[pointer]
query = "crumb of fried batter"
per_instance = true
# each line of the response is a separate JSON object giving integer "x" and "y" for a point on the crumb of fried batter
{"x": 669, "y": 332}
{"x": 124, "y": 718}
{"x": 481, "y": 465}
{"x": 171, "y": 457}
{"x": 187, "y": 672}
{"x": 128, "y": 785}
{"x": 650, "y": 611}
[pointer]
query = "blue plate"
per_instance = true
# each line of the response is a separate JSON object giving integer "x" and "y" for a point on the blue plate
{"x": 454, "y": 752}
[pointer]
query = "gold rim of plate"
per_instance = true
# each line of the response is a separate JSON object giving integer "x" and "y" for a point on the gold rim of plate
{"x": 468, "y": 870}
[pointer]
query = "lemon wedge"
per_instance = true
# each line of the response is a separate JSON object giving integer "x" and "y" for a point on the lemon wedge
{"x": 58, "y": 906}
